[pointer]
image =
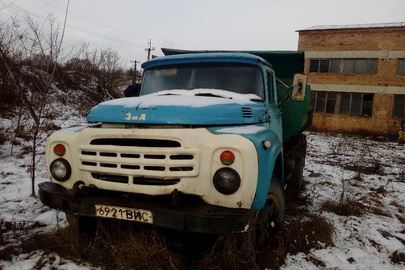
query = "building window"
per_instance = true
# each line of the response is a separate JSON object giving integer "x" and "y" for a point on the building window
{"x": 346, "y": 66}
{"x": 401, "y": 67}
{"x": 325, "y": 65}
{"x": 360, "y": 66}
{"x": 355, "y": 104}
{"x": 399, "y": 107}
{"x": 321, "y": 102}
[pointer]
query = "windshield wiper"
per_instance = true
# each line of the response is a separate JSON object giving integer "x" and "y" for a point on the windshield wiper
{"x": 210, "y": 95}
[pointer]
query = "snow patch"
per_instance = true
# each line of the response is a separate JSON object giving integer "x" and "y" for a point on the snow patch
{"x": 191, "y": 98}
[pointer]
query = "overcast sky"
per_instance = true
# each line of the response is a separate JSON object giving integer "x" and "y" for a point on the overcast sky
{"x": 128, "y": 25}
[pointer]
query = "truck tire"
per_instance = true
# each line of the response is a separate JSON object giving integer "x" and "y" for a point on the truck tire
{"x": 297, "y": 152}
{"x": 297, "y": 177}
{"x": 271, "y": 218}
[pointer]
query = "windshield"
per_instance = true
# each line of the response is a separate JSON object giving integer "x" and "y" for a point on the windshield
{"x": 235, "y": 77}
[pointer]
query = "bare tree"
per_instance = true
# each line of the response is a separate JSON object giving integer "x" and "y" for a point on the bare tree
{"x": 42, "y": 48}
{"x": 31, "y": 60}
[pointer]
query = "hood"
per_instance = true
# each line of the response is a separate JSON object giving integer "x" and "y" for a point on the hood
{"x": 178, "y": 110}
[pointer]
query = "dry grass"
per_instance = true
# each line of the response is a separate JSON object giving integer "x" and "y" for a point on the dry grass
{"x": 401, "y": 218}
{"x": 115, "y": 245}
{"x": 231, "y": 251}
{"x": 303, "y": 232}
{"x": 125, "y": 245}
{"x": 398, "y": 257}
{"x": 347, "y": 208}
{"x": 6, "y": 253}
{"x": 398, "y": 205}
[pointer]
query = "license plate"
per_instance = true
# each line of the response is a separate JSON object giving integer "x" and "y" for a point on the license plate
{"x": 133, "y": 214}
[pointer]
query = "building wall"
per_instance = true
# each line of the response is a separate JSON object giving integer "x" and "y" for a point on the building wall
{"x": 386, "y": 45}
{"x": 381, "y": 123}
{"x": 381, "y": 39}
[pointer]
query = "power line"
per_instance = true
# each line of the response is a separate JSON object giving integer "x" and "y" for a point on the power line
{"x": 71, "y": 39}
{"x": 82, "y": 17}
{"x": 18, "y": 12}
{"x": 17, "y": 9}
{"x": 104, "y": 36}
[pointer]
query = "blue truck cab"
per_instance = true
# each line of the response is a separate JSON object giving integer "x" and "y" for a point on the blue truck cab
{"x": 208, "y": 146}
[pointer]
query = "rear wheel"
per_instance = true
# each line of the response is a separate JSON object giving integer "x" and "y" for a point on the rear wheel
{"x": 297, "y": 177}
{"x": 271, "y": 218}
{"x": 295, "y": 153}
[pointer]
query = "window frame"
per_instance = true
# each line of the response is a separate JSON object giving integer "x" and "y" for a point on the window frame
{"x": 397, "y": 104}
{"x": 270, "y": 94}
{"x": 344, "y": 65}
{"x": 401, "y": 66}
{"x": 357, "y": 104}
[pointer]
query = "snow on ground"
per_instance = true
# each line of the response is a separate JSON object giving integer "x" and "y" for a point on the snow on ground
{"x": 338, "y": 168}
{"x": 21, "y": 214}
{"x": 371, "y": 172}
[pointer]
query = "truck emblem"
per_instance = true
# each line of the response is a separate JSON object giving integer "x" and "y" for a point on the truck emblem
{"x": 135, "y": 117}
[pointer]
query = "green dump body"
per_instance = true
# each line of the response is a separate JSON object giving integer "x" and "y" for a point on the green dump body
{"x": 296, "y": 115}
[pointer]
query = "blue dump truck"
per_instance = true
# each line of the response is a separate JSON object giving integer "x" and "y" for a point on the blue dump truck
{"x": 210, "y": 146}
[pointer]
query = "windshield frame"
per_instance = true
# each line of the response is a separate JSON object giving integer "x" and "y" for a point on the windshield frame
{"x": 229, "y": 76}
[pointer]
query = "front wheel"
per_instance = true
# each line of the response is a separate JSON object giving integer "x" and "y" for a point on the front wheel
{"x": 271, "y": 218}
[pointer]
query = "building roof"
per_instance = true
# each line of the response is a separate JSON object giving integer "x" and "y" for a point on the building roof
{"x": 354, "y": 26}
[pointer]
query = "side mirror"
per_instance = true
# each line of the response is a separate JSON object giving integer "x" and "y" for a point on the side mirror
{"x": 132, "y": 90}
{"x": 299, "y": 86}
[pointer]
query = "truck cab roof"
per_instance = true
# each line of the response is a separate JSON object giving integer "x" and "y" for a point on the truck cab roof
{"x": 220, "y": 57}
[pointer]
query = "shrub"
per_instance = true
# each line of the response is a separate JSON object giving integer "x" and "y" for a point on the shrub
{"x": 347, "y": 208}
{"x": 398, "y": 257}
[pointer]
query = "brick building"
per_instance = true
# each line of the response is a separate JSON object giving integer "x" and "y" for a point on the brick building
{"x": 357, "y": 74}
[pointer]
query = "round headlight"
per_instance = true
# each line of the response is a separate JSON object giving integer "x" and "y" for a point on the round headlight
{"x": 227, "y": 181}
{"x": 60, "y": 169}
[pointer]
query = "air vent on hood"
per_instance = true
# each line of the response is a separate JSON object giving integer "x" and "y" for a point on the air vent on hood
{"x": 247, "y": 112}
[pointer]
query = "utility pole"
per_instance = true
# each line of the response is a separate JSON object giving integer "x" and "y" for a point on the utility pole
{"x": 135, "y": 79}
{"x": 150, "y": 48}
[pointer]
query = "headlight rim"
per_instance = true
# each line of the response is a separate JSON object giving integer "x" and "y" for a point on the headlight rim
{"x": 67, "y": 166}
{"x": 227, "y": 190}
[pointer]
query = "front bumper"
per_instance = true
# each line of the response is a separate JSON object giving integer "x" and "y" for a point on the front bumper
{"x": 191, "y": 216}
